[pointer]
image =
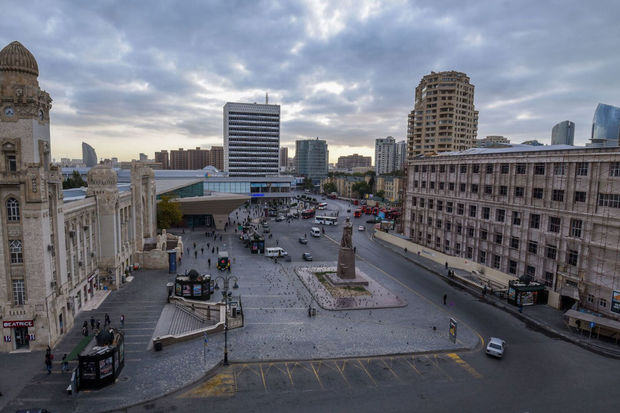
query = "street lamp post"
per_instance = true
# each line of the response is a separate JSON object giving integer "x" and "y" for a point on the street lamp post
{"x": 226, "y": 295}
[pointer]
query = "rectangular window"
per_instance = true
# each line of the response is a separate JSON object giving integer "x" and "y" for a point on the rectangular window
{"x": 475, "y": 168}
{"x": 519, "y": 190}
{"x": 442, "y": 168}
{"x": 432, "y": 185}
{"x": 438, "y": 223}
{"x": 414, "y": 201}
{"x": 11, "y": 163}
{"x": 474, "y": 188}
{"x": 429, "y": 221}
{"x": 433, "y": 168}
{"x": 499, "y": 238}
{"x": 470, "y": 253}
{"x": 430, "y": 203}
{"x": 514, "y": 243}
{"x": 442, "y": 185}
{"x": 504, "y": 168}
{"x": 614, "y": 169}
{"x": 415, "y": 168}
{"x": 537, "y": 193}
{"x": 449, "y": 205}
{"x": 539, "y": 169}
{"x": 457, "y": 248}
{"x": 548, "y": 278}
{"x": 554, "y": 224}
{"x": 423, "y": 168}
{"x": 463, "y": 168}
{"x": 448, "y": 226}
{"x": 460, "y": 209}
{"x": 422, "y": 203}
{"x": 483, "y": 234}
{"x": 446, "y": 245}
{"x": 497, "y": 261}
{"x": 580, "y": 196}
{"x": 450, "y": 186}
{"x": 462, "y": 187}
{"x": 15, "y": 250}
{"x": 609, "y": 200}
{"x": 486, "y": 212}
{"x": 551, "y": 251}
{"x": 520, "y": 168}
{"x": 572, "y": 256}
{"x": 488, "y": 189}
{"x": 500, "y": 215}
{"x": 557, "y": 195}
{"x": 482, "y": 257}
{"x": 423, "y": 184}
{"x": 503, "y": 190}
{"x": 602, "y": 302}
{"x": 415, "y": 184}
{"x": 530, "y": 271}
{"x": 512, "y": 266}
{"x": 532, "y": 247}
{"x": 437, "y": 242}
{"x": 452, "y": 169}
{"x": 470, "y": 232}
{"x": 439, "y": 205}
{"x": 489, "y": 168}
{"x": 472, "y": 211}
{"x": 516, "y": 218}
{"x": 559, "y": 168}
{"x": 459, "y": 229}
{"x": 575, "y": 228}
{"x": 19, "y": 292}
{"x": 534, "y": 221}
{"x": 582, "y": 169}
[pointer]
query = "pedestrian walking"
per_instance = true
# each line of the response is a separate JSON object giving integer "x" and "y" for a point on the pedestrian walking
{"x": 202, "y": 251}
{"x": 65, "y": 363}
{"x": 354, "y": 250}
{"x": 107, "y": 319}
{"x": 195, "y": 254}
{"x": 48, "y": 364}
{"x": 122, "y": 320}
{"x": 85, "y": 330}
{"x": 277, "y": 242}
{"x": 218, "y": 249}
{"x": 212, "y": 250}
{"x": 98, "y": 325}
{"x": 188, "y": 250}
{"x": 209, "y": 262}
{"x": 92, "y": 322}
{"x": 445, "y": 299}
{"x": 208, "y": 245}
{"x": 194, "y": 245}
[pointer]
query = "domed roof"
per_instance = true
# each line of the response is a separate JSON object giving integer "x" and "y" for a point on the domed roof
{"x": 15, "y": 57}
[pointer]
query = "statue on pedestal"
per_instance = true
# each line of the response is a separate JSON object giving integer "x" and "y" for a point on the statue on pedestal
{"x": 346, "y": 255}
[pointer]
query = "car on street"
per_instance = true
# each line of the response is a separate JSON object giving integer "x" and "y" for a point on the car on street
{"x": 371, "y": 221}
{"x": 306, "y": 256}
{"x": 303, "y": 240}
{"x": 361, "y": 228}
{"x": 349, "y": 210}
{"x": 496, "y": 347}
{"x": 280, "y": 218}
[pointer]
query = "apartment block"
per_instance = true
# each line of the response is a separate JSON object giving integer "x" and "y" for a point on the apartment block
{"x": 353, "y": 161}
{"x": 444, "y": 118}
{"x": 550, "y": 213}
{"x": 163, "y": 158}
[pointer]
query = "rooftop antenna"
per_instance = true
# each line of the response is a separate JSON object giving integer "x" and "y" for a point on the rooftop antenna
{"x": 266, "y": 98}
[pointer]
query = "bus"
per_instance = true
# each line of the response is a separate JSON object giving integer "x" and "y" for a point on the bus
{"x": 326, "y": 220}
{"x": 357, "y": 213}
{"x": 322, "y": 205}
{"x": 308, "y": 213}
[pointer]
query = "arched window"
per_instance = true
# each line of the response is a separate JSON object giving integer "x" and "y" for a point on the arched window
{"x": 15, "y": 248}
{"x": 12, "y": 208}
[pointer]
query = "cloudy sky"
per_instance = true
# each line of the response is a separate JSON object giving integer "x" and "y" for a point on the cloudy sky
{"x": 140, "y": 76}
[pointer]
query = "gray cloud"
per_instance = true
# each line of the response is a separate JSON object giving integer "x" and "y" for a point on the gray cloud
{"x": 166, "y": 68}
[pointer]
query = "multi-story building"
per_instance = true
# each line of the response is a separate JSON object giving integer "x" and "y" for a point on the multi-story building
{"x": 163, "y": 158}
{"x": 143, "y": 157}
{"x": 353, "y": 161}
{"x": 56, "y": 248}
{"x": 344, "y": 184}
{"x": 89, "y": 156}
{"x": 444, "y": 118}
{"x": 283, "y": 157}
{"x": 385, "y": 155}
{"x": 400, "y": 158}
{"x": 563, "y": 133}
{"x": 197, "y": 158}
{"x": 492, "y": 141}
{"x": 178, "y": 159}
{"x": 551, "y": 213}
{"x": 251, "y": 139}
{"x": 216, "y": 157}
{"x": 606, "y": 126}
{"x": 391, "y": 186}
{"x": 312, "y": 158}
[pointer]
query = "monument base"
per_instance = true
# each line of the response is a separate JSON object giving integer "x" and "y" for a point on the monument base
{"x": 336, "y": 281}
{"x": 346, "y": 264}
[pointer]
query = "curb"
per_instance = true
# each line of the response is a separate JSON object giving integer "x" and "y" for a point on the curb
{"x": 530, "y": 322}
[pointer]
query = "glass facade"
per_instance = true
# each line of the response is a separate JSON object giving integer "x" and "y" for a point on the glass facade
{"x": 606, "y": 125}
{"x": 312, "y": 156}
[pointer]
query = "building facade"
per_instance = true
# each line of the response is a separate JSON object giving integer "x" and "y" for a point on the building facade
{"x": 344, "y": 184}
{"x": 400, "y": 159}
{"x": 163, "y": 158}
{"x": 606, "y": 126}
{"x": 216, "y": 157}
{"x": 353, "y": 161}
{"x": 550, "y": 213}
{"x": 55, "y": 251}
{"x": 251, "y": 139}
{"x": 563, "y": 133}
{"x": 444, "y": 117}
{"x": 89, "y": 156}
{"x": 391, "y": 187}
{"x": 283, "y": 157}
{"x": 492, "y": 141}
{"x": 312, "y": 158}
{"x": 385, "y": 155}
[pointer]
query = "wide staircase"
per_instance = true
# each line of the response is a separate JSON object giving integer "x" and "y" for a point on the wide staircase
{"x": 184, "y": 321}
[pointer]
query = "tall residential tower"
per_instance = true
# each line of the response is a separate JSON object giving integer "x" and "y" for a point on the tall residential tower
{"x": 563, "y": 133}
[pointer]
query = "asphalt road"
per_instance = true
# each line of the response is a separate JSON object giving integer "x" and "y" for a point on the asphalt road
{"x": 537, "y": 373}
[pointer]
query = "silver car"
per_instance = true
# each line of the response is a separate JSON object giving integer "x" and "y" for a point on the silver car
{"x": 496, "y": 347}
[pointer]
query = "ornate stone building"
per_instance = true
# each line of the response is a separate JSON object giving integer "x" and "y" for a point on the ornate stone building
{"x": 54, "y": 253}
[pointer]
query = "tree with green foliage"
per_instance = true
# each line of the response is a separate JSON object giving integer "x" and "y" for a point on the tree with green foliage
{"x": 308, "y": 183}
{"x": 74, "y": 181}
{"x": 380, "y": 194}
{"x": 362, "y": 188}
{"x": 168, "y": 213}
{"x": 329, "y": 187}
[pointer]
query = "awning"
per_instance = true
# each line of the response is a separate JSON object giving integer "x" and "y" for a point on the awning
{"x": 591, "y": 318}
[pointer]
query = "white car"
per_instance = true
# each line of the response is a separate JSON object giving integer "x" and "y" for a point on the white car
{"x": 361, "y": 228}
{"x": 496, "y": 347}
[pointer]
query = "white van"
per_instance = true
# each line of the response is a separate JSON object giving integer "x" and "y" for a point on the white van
{"x": 315, "y": 232}
{"x": 275, "y": 252}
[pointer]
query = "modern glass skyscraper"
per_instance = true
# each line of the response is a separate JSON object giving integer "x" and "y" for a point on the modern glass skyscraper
{"x": 606, "y": 126}
{"x": 563, "y": 133}
{"x": 312, "y": 158}
{"x": 89, "y": 156}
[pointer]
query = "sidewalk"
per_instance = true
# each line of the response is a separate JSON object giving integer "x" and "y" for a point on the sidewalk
{"x": 542, "y": 317}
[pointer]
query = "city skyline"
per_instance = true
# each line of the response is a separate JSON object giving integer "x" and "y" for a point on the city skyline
{"x": 121, "y": 84}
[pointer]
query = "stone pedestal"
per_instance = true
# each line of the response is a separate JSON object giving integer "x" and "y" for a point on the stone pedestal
{"x": 346, "y": 263}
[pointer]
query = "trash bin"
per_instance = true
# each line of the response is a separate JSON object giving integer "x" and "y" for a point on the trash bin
{"x": 158, "y": 346}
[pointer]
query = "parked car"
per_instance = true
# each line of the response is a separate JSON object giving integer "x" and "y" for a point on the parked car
{"x": 306, "y": 256}
{"x": 280, "y": 218}
{"x": 303, "y": 240}
{"x": 496, "y": 347}
{"x": 361, "y": 228}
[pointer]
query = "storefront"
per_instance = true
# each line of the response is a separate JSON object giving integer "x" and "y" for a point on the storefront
{"x": 102, "y": 360}
{"x": 193, "y": 286}
{"x": 19, "y": 335}
{"x": 520, "y": 293}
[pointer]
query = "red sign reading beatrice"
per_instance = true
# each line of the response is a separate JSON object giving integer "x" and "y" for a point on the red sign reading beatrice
{"x": 16, "y": 323}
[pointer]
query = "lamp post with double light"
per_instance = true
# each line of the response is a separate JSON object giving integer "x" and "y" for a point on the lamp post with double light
{"x": 226, "y": 295}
